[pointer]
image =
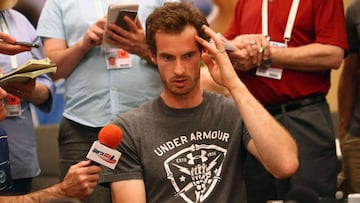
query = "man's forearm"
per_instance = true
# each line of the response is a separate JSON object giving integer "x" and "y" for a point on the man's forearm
{"x": 40, "y": 196}
{"x": 312, "y": 57}
{"x": 347, "y": 93}
{"x": 66, "y": 58}
{"x": 276, "y": 148}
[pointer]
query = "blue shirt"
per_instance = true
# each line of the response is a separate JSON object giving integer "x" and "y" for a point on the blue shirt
{"x": 20, "y": 130}
{"x": 93, "y": 94}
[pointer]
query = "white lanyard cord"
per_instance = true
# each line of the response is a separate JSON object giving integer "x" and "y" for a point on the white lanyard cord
{"x": 290, "y": 21}
{"x": 99, "y": 9}
{"x": 264, "y": 18}
{"x": 13, "y": 60}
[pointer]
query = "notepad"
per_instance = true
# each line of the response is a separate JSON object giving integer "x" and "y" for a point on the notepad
{"x": 29, "y": 70}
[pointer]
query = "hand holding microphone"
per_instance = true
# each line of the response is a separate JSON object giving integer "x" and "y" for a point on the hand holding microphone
{"x": 103, "y": 150}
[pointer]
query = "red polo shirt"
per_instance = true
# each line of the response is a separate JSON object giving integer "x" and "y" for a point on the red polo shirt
{"x": 317, "y": 21}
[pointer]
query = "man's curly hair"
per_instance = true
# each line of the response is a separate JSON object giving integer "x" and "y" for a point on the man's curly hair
{"x": 173, "y": 18}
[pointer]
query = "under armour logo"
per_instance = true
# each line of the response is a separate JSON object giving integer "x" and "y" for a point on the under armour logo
{"x": 192, "y": 158}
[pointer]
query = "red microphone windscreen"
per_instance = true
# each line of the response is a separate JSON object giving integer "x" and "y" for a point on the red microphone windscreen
{"x": 110, "y": 135}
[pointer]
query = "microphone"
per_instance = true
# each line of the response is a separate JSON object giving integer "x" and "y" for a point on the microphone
{"x": 110, "y": 135}
{"x": 103, "y": 150}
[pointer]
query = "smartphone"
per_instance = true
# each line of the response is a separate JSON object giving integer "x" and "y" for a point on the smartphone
{"x": 120, "y": 18}
{"x": 28, "y": 44}
{"x": 115, "y": 14}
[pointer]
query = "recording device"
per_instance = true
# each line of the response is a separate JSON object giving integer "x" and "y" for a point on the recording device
{"x": 120, "y": 18}
{"x": 227, "y": 44}
{"x": 103, "y": 150}
{"x": 115, "y": 14}
{"x": 28, "y": 44}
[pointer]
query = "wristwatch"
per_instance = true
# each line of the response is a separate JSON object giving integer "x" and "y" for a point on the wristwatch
{"x": 266, "y": 63}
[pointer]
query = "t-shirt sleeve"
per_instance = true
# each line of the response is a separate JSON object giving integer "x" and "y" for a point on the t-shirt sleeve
{"x": 329, "y": 17}
{"x": 50, "y": 24}
{"x": 246, "y": 136}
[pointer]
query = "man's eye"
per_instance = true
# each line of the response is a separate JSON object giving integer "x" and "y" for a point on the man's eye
{"x": 167, "y": 57}
{"x": 188, "y": 56}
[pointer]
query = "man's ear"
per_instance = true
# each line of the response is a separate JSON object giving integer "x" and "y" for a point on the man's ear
{"x": 153, "y": 57}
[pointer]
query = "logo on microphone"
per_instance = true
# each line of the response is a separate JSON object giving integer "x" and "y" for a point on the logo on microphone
{"x": 104, "y": 156}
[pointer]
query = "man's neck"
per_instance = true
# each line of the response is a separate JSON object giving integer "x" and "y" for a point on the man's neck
{"x": 187, "y": 101}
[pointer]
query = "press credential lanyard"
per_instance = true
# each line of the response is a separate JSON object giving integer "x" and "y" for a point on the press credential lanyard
{"x": 99, "y": 9}
{"x": 275, "y": 72}
{"x": 290, "y": 21}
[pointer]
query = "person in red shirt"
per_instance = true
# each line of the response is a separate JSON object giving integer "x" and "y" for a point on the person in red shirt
{"x": 285, "y": 53}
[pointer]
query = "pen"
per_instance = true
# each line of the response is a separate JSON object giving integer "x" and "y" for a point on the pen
{"x": 28, "y": 44}
{"x": 262, "y": 48}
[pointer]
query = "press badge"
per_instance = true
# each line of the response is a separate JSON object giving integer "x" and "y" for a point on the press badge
{"x": 274, "y": 72}
{"x": 117, "y": 58}
{"x": 13, "y": 105}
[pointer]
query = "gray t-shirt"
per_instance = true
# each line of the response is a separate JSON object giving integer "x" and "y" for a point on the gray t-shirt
{"x": 353, "y": 33}
{"x": 184, "y": 155}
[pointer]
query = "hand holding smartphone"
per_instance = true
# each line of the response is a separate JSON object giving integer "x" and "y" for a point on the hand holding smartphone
{"x": 116, "y": 13}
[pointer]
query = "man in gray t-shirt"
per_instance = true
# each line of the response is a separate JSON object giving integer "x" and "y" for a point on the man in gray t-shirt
{"x": 188, "y": 145}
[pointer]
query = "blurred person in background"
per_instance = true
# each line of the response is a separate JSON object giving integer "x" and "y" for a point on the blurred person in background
{"x": 349, "y": 105}
{"x": 31, "y": 9}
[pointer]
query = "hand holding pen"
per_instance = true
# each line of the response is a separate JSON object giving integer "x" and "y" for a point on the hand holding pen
{"x": 9, "y": 45}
